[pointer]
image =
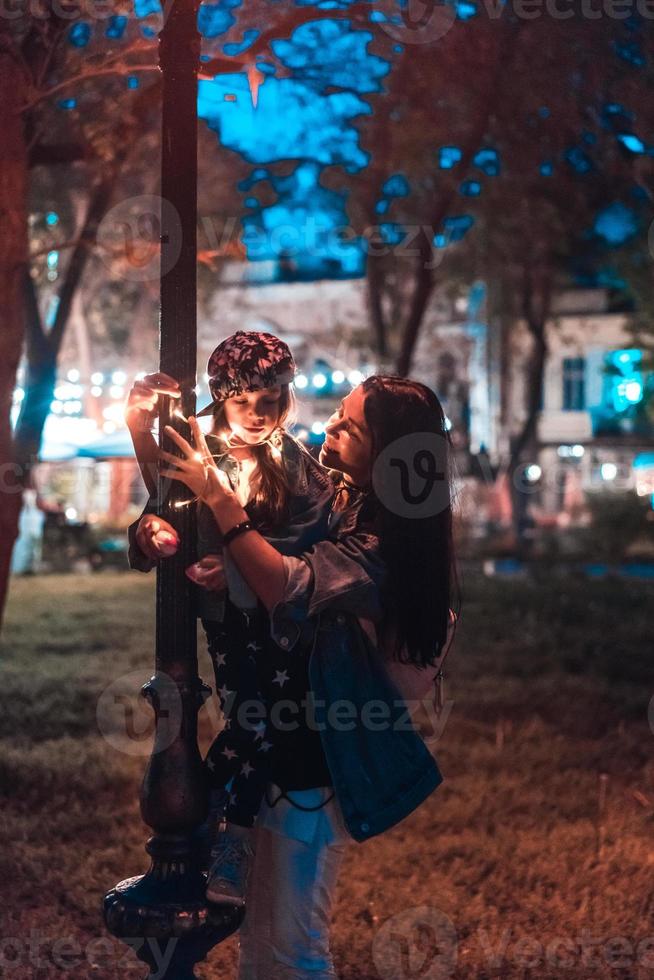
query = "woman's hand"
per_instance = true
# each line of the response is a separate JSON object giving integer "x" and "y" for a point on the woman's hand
{"x": 142, "y": 405}
{"x": 156, "y": 538}
{"x": 209, "y": 573}
{"x": 196, "y": 468}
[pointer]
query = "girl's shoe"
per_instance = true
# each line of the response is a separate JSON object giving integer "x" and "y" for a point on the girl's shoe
{"x": 228, "y": 875}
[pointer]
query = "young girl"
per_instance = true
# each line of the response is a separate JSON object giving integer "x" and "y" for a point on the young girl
{"x": 287, "y": 497}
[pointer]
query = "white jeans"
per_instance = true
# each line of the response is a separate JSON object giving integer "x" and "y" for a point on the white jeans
{"x": 285, "y": 934}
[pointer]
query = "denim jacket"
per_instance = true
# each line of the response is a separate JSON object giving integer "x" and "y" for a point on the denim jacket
{"x": 380, "y": 766}
{"x": 312, "y": 491}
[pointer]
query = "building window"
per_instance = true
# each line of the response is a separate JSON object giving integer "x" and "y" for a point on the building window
{"x": 574, "y": 384}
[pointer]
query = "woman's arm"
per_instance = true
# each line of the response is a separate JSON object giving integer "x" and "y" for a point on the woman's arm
{"x": 140, "y": 411}
{"x": 338, "y": 572}
{"x": 259, "y": 563}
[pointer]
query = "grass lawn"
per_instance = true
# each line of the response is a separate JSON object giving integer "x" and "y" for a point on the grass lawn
{"x": 532, "y": 860}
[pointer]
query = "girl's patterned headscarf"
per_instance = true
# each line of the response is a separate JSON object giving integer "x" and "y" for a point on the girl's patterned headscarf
{"x": 247, "y": 361}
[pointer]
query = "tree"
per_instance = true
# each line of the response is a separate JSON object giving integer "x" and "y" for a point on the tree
{"x": 67, "y": 104}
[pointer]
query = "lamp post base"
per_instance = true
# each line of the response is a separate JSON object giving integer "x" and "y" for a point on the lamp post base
{"x": 164, "y": 915}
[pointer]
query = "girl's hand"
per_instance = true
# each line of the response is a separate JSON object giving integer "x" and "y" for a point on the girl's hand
{"x": 156, "y": 538}
{"x": 142, "y": 405}
{"x": 209, "y": 573}
{"x": 196, "y": 468}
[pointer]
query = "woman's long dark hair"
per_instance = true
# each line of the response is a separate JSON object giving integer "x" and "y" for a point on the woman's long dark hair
{"x": 418, "y": 551}
{"x": 272, "y": 499}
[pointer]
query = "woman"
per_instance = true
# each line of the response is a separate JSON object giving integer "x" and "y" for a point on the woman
{"x": 388, "y": 569}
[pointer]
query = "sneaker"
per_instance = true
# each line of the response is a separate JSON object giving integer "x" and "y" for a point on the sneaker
{"x": 228, "y": 875}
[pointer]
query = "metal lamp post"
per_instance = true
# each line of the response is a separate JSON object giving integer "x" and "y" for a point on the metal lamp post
{"x": 163, "y": 914}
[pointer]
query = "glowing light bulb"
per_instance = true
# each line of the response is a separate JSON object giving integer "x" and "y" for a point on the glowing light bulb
{"x": 608, "y": 471}
{"x": 97, "y": 378}
{"x": 301, "y": 381}
{"x": 319, "y": 380}
{"x": 119, "y": 377}
{"x": 533, "y": 472}
{"x": 73, "y": 375}
{"x": 355, "y": 378}
{"x": 338, "y": 377}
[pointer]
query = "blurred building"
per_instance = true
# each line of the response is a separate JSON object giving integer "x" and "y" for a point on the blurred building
{"x": 594, "y": 429}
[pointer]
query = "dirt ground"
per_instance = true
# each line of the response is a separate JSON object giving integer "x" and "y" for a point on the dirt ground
{"x": 533, "y": 859}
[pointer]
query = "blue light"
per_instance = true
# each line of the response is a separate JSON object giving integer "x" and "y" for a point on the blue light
{"x": 53, "y": 259}
{"x": 67, "y": 103}
{"x": 627, "y": 382}
{"x": 396, "y": 186}
{"x": 546, "y": 168}
{"x": 116, "y": 27}
{"x": 578, "y": 160}
{"x": 381, "y": 207}
{"x": 470, "y": 188}
{"x": 631, "y": 390}
{"x": 632, "y": 142}
{"x": 132, "y": 81}
{"x": 143, "y": 8}
{"x": 465, "y": 9}
{"x": 391, "y": 232}
{"x": 80, "y": 34}
{"x": 458, "y": 225}
{"x": 52, "y": 219}
{"x": 249, "y": 37}
{"x": 448, "y": 157}
{"x": 616, "y": 224}
{"x": 487, "y": 159}
{"x": 630, "y": 52}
